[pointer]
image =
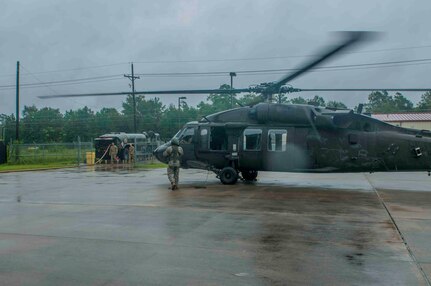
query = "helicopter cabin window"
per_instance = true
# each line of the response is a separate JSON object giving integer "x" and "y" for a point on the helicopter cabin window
{"x": 187, "y": 136}
{"x": 218, "y": 138}
{"x": 204, "y": 138}
{"x": 252, "y": 138}
{"x": 277, "y": 140}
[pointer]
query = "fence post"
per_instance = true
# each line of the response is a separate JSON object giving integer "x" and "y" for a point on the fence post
{"x": 16, "y": 145}
{"x": 79, "y": 151}
{"x": 151, "y": 152}
{"x": 10, "y": 150}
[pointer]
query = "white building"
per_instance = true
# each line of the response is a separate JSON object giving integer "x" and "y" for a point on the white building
{"x": 416, "y": 120}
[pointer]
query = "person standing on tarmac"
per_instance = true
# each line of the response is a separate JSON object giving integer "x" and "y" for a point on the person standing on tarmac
{"x": 174, "y": 153}
{"x": 131, "y": 153}
{"x": 113, "y": 150}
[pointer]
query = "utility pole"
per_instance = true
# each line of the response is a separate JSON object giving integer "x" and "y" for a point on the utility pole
{"x": 232, "y": 74}
{"x": 180, "y": 100}
{"x": 132, "y": 77}
{"x": 17, "y": 102}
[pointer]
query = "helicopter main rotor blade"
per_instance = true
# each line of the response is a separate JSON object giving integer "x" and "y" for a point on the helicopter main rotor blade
{"x": 351, "y": 39}
{"x": 155, "y": 92}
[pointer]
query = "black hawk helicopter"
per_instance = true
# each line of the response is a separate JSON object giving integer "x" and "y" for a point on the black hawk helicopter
{"x": 239, "y": 142}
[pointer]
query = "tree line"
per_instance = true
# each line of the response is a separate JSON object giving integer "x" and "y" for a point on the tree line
{"x": 50, "y": 125}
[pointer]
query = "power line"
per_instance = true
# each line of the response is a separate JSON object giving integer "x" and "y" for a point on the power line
{"x": 223, "y": 73}
{"x": 46, "y": 85}
{"x": 276, "y": 58}
{"x": 216, "y": 60}
{"x": 64, "y": 81}
{"x": 72, "y": 69}
{"x": 286, "y": 69}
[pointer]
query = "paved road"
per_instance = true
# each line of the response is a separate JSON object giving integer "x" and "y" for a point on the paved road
{"x": 124, "y": 227}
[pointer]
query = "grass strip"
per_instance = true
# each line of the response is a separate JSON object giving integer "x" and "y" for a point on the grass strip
{"x": 33, "y": 167}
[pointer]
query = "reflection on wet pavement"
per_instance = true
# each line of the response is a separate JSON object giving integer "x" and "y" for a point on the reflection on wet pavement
{"x": 115, "y": 225}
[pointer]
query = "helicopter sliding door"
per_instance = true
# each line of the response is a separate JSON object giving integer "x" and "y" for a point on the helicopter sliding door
{"x": 187, "y": 139}
{"x": 250, "y": 155}
{"x": 277, "y": 155}
{"x": 213, "y": 146}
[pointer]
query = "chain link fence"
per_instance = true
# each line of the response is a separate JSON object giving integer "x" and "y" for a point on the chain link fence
{"x": 143, "y": 153}
{"x": 73, "y": 153}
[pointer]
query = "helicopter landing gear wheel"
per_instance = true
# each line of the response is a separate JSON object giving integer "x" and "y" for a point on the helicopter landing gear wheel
{"x": 249, "y": 175}
{"x": 228, "y": 176}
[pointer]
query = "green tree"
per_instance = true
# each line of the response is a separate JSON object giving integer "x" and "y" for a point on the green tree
{"x": 109, "y": 120}
{"x": 336, "y": 104}
{"x": 425, "y": 103}
{"x": 379, "y": 102}
{"x": 8, "y": 127}
{"x": 80, "y": 123}
{"x": 316, "y": 101}
{"x": 151, "y": 112}
{"x": 401, "y": 103}
{"x": 173, "y": 119}
{"x": 170, "y": 122}
{"x": 382, "y": 102}
{"x": 216, "y": 102}
{"x": 148, "y": 113}
{"x": 280, "y": 98}
{"x": 298, "y": 100}
{"x": 44, "y": 125}
{"x": 250, "y": 98}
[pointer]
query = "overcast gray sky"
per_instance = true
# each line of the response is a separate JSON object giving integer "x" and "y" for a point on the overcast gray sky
{"x": 63, "y": 40}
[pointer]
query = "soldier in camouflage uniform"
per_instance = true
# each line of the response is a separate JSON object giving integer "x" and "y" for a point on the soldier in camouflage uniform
{"x": 174, "y": 153}
{"x": 132, "y": 153}
{"x": 113, "y": 150}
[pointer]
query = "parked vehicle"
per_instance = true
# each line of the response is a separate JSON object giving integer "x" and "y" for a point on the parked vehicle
{"x": 145, "y": 143}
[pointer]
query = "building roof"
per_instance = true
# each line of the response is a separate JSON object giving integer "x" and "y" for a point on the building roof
{"x": 403, "y": 117}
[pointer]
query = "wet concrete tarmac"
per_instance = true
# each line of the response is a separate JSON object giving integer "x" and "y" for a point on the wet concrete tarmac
{"x": 124, "y": 227}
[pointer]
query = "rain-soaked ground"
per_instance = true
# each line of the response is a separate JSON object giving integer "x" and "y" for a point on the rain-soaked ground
{"x": 124, "y": 227}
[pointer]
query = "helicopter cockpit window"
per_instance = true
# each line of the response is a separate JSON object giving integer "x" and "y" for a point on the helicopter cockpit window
{"x": 179, "y": 133}
{"x": 277, "y": 140}
{"x": 187, "y": 136}
{"x": 252, "y": 138}
{"x": 218, "y": 138}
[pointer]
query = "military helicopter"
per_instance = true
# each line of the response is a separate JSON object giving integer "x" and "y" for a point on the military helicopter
{"x": 240, "y": 142}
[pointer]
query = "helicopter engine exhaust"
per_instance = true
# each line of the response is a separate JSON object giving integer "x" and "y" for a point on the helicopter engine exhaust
{"x": 282, "y": 113}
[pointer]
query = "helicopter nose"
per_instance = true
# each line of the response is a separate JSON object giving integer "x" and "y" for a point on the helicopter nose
{"x": 158, "y": 153}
